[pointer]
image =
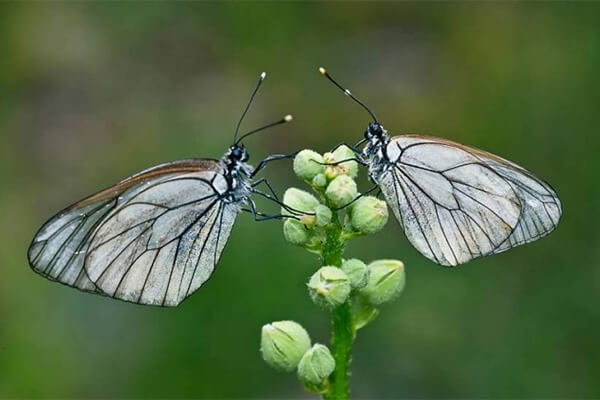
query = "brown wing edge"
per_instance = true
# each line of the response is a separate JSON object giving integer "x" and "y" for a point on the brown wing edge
{"x": 482, "y": 153}
{"x": 173, "y": 167}
{"x": 109, "y": 193}
{"x": 472, "y": 150}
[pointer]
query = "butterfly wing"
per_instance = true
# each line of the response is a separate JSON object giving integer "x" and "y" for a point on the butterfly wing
{"x": 153, "y": 238}
{"x": 456, "y": 203}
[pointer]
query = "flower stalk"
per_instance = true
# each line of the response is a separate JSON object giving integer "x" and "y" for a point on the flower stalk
{"x": 349, "y": 289}
{"x": 342, "y": 334}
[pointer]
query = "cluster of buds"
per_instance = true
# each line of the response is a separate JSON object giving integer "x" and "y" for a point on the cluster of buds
{"x": 314, "y": 219}
{"x": 365, "y": 286}
{"x": 331, "y": 176}
{"x": 286, "y": 346}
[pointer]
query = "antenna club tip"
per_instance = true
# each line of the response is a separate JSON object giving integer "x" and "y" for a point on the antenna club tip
{"x": 322, "y": 70}
{"x": 288, "y": 118}
{"x": 263, "y": 76}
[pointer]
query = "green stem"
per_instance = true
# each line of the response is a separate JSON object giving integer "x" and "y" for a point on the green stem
{"x": 342, "y": 335}
{"x": 342, "y": 338}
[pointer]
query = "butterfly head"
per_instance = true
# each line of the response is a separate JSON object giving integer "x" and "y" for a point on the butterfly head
{"x": 237, "y": 153}
{"x": 376, "y": 136}
{"x": 375, "y": 131}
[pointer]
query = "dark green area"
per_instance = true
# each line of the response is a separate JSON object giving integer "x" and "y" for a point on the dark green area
{"x": 90, "y": 93}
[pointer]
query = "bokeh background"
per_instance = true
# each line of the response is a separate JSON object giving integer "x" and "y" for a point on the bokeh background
{"x": 90, "y": 93}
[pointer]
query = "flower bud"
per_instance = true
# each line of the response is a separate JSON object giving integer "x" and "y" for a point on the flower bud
{"x": 329, "y": 287}
{"x": 341, "y": 191}
{"x": 295, "y": 232}
{"x": 319, "y": 181}
{"x": 345, "y": 153}
{"x": 386, "y": 281}
{"x": 316, "y": 365}
{"x": 308, "y": 220}
{"x": 305, "y": 166}
{"x": 323, "y": 215}
{"x": 331, "y": 171}
{"x": 357, "y": 272}
{"x": 299, "y": 200}
{"x": 369, "y": 215}
{"x": 283, "y": 343}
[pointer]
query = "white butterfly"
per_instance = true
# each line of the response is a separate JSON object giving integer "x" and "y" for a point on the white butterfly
{"x": 455, "y": 203}
{"x": 155, "y": 237}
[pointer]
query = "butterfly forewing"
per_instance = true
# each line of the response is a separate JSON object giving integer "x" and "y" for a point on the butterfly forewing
{"x": 153, "y": 238}
{"x": 457, "y": 203}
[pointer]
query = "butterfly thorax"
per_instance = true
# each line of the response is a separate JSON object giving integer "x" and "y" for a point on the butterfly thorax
{"x": 375, "y": 152}
{"x": 237, "y": 175}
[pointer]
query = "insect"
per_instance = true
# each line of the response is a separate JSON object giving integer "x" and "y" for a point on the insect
{"x": 454, "y": 203}
{"x": 155, "y": 237}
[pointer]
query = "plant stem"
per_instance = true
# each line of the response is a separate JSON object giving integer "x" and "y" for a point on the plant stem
{"x": 342, "y": 338}
{"x": 342, "y": 335}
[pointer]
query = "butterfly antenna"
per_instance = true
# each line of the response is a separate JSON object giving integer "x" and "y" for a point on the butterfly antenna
{"x": 323, "y": 72}
{"x": 283, "y": 120}
{"x": 261, "y": 78}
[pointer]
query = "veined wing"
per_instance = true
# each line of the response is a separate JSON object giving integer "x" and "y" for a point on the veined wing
{"x": 152, "y": 238}
{"x": 456, "y": 203}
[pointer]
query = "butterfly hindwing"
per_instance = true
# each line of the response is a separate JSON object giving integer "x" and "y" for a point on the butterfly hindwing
{"x": 456, "y": 203}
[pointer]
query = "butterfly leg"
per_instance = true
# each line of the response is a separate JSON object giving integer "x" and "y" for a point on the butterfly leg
{"x": 258, "y": 216}
{"x": 355, "y": 148}
{"x": 285, "y": 206}
{"x": 268, "y": 159}
{"x": 361, "y": 162}
{"x": 264, "y": 181}
{"x": 356, "y": 198}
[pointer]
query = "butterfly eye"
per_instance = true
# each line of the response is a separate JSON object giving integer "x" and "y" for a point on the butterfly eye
{"x": 376, "y": 129}
{"x": 368, "y": 134}
{"x": 237, "y": 153}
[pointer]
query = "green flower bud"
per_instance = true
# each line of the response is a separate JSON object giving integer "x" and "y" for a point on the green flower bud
{"x": 316, "y": 365}
{"x": 329, "y": 287}
{"x": 299, "y": 200}
{"x": 283, "y": 343}
{"x": 369, "y": 215}
{"x": 357, "y": 272}
{"x": 319, "y": 181}
{"x": 323, "y": 214}
{"x": 386, "y": 281}
{"x": 295, "y": 232}
{"x": 342, "y": 153}
{"x": 341, "y": 191}
{"x": 305, "y": 166}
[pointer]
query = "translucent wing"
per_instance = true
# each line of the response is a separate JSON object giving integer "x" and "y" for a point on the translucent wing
{"x": 457, "y": 203}
{"x": 153, "y": 238}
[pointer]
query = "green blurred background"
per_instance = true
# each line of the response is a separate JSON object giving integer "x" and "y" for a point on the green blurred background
{"x": 90, "y": 93}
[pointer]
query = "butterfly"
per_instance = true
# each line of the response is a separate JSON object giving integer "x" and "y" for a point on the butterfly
{"x": 455, "y": 203}
{"x": 155, "y": 237}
